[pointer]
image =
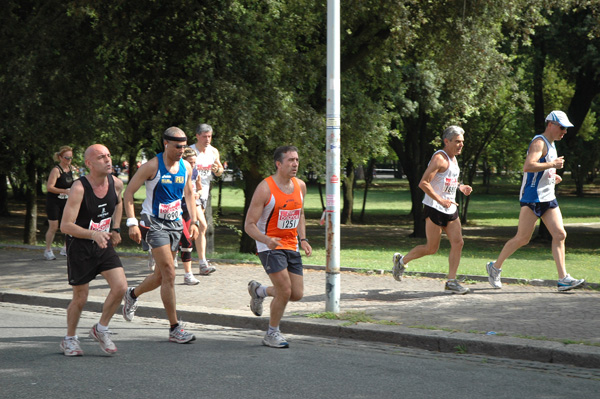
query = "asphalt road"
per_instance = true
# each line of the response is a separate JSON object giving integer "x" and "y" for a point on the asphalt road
{"x": 231, "y": 363}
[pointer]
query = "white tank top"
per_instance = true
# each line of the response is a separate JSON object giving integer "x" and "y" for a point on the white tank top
{"x": 445, "y": 185}
{"x": 204, "y": 163}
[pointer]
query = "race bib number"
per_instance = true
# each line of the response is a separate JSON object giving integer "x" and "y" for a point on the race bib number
{"x": 288, "y": 219}
{"x": 204, "y": 171}
{"x": 169, "y": 211}
{"x": 552, "y": 175}
{"x": 450, "y": 185}
{"x": 103, "y": 225}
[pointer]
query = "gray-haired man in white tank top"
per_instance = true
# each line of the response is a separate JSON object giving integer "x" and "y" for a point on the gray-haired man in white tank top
{"x": 440, "y": 182}
{"x": 207, "y": 162}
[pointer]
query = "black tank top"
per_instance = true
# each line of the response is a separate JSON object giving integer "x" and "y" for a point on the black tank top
{"x": 96, "y": 213}
{"x": 64, "y": 181}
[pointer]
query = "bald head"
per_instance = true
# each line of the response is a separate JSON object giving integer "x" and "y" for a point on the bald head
{"x": 97, "y": 159}
{"x": 93, "y": 149}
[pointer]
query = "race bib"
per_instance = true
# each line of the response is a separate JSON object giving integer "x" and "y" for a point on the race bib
{"x": 450, "y": 185}
{"x": 170, "y": 211}
{"x": 288, "y": 219}
{"x": 103, "y": 225}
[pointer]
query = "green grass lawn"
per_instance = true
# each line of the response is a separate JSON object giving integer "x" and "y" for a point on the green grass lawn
{"x": 492, "y": 220}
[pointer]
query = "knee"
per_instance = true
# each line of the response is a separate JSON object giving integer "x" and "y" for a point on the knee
{"x": 521, "y": 241}
{"x": 284, "y": 293}
{"x": 79, "y": 300}
{"x": 458, "y": 243}
{"x": 561, "y": 235}
{"x": 120, "y": 288}
{"x": 431, "y": 249}
{"x": 168, "y": 276}
{"x": 296, "y": 295}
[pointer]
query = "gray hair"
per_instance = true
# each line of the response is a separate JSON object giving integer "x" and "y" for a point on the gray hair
{"x": 281, "y": 151}
{"x": 203, "y": 128}
{"x": 452, "y": 131}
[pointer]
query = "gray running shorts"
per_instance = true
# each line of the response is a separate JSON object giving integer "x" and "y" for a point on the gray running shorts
{"x": 161, "y": 232}
{"x": 281, "y": 259}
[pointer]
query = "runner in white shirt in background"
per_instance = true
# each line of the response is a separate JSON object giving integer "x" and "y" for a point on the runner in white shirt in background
{"x": 207, "y": 163}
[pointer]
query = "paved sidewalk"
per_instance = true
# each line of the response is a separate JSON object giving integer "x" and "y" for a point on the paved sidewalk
{"x": 528, "y": 322}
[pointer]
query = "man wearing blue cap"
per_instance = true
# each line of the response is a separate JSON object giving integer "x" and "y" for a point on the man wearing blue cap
{"x": 538, "y": 200}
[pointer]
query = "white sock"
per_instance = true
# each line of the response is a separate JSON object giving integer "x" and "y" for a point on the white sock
{"x": 101, "y": 328}
{"x": 272, "y": 329}
{"x": 261, "y": 291}
{"x": 202, "y": 262}
{"x": 73, "y": 337}
{"x": 190, "y": 274}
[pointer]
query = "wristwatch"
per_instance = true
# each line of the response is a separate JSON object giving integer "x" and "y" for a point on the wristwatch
{"x": 118, "y": 230}
{"x": 304, "y": 239}
{"x": 197, "y": 223}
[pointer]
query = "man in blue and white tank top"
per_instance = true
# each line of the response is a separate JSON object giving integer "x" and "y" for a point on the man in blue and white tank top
{"x": 167, "y": 178}
{"x": 440, "y": 183}
{"x": 538, "y": 200}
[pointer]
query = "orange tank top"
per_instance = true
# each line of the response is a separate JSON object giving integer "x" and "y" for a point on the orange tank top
{"x": 281, "y": 216}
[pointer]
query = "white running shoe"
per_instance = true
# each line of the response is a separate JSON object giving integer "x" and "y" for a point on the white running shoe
{"x": 256, "y": 302}
{"x": 49, "y": 255}
{"x": 103, "y": 339}
{"x": 275, "y": 340}
{"x": 180, "y": 336}
{"x": 63, "y": 251}
{"x": 568, "y": 283}
{"x": 454, "y": 287}
{"x": 494, "y": 275}
{"x": 190, "y": 280}
{"x": 129, "y": 306}
{"x": 70, "y": 347}
{"x": 206, "y": 268}
{"x": 398, "y": 268}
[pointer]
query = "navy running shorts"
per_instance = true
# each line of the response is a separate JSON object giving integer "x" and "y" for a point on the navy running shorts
{"x": 539, "y": 208}
{"x": 281, "y": 259}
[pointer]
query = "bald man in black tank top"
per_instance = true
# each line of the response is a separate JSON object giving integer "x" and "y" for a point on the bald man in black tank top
{"x": 91, "y": 220}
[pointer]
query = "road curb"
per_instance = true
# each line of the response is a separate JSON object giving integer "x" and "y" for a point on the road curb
{"x": 432, "y": 340}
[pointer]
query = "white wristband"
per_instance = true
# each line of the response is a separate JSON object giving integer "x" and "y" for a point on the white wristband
{"x": 132, "y": 222}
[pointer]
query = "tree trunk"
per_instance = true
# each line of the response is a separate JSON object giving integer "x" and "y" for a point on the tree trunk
{"x": 30, "y": 232}
{"x": 412, "y": 155}
{"x": 251, "y": 180}
{"x": 348, "y": 192}
{"x": 321, "y": 195}
{"x": 539, "y": 63}
{"x": 368, "y": 181}
{"x": 3, "y": 195}
{"x": 219, "y": 207}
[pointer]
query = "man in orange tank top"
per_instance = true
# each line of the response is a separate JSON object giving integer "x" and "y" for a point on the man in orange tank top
{"x": 275, "y": 220}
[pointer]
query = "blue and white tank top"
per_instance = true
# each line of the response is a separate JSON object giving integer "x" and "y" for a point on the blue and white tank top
{"x": 164, "y": 192}
{"x": 445, "y": 185}
{"x": 539, "y": 186}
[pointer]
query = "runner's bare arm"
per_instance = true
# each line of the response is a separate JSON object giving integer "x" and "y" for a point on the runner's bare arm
{"x": 438, "y": 164}
{"x": 302, "y": 223}
{"x": 260, "y": 197}
{"x": 145, "y": 172}
{"x": 538, "y": 149}
{"x": 70, "y": 213}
